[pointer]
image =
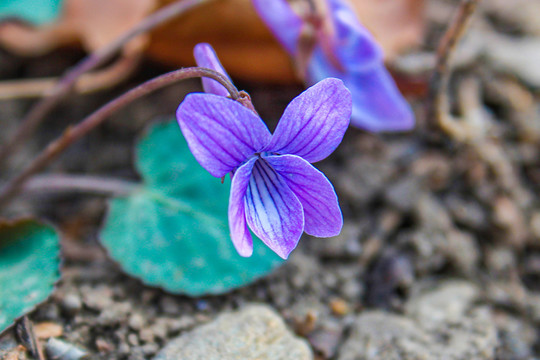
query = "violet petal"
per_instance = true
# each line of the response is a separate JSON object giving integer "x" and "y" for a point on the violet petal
{"x": 284, "y": 23}
{"x": 314, "y": 122}
{"x": 322, "y": 213}
{"x": 273, "y": 212}
{"x": 355, "y": 47}
{"x": 206, "y": 57}
{"x": 377, "y": 103}
{"x": 240, "y": 235}
{"x": 220, "y": 132}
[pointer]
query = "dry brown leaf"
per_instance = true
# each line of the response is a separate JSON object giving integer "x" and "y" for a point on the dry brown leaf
{"x": 249, "y": 51}
{"x": 99, "y": 22}
{"x": 246, "y": 47}
{"x": 396, "y": 24}
{"x": 93, "y": 23}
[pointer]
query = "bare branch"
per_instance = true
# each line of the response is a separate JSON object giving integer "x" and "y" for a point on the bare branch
{"x": 61, "y": 183}
{"x": 439, "y": 104}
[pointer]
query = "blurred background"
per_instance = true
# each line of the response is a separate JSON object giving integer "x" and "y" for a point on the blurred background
{"x": 439, "y": 257}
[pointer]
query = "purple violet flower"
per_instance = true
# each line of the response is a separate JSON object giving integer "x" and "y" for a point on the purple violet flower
{"x": 346, "y": 50}
{"x": 275, "y": 190}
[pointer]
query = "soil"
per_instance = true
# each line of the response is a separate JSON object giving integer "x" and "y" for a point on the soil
{"x": 420, "y": 207}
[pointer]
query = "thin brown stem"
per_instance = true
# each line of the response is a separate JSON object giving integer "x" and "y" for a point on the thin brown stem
{"x": 87, "y": 83}
{"x": 99, "y": 57}
{"x": 439, "y": 104}
{"x": 86, "y": 184}
{"x": 24, "y": 329}
{"x": 76, "y": 132}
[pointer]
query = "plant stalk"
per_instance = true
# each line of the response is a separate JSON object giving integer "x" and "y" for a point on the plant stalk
{"x": 86, "y": 184}
{"x": 72, "y": 134}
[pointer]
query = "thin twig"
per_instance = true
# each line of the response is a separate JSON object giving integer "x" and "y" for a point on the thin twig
{"x": 87, "y": 83}
{"x": 474, "y": 125}
{"x": 76, "y": 132}
{"x": 99, "y": 57}
{"x": 25, "y": 332}
{"x": 440, "y": 107}
{"x": 86, "y": 184}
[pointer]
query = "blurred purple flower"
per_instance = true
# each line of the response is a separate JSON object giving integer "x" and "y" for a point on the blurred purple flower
{"x": 346, "y": 50}
{"x": 275, "y": 190}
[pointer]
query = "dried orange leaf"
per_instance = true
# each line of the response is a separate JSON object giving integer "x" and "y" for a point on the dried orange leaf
{"x": 93, "y": 23}
{"x": 245, "y": 46}
{"x": 45, "y": 330}
{"x": 249, "y": 51}
{"x": 396, "y": 24}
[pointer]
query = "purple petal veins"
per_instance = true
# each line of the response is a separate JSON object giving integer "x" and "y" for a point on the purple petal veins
{"x": 240, "y": 234}
{"x": 322, "y": 213}
{"x": 314, "y": 123}
{"x": 273, "y": 211}
{"x": 206, "y": 57}
{"x": 220, "y": 132}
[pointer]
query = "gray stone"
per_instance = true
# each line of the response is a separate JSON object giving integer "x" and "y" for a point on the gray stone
{"x": 71, "y": 303}
{"x": 377, "y": 335}
{"x": 404, "y": 193}
{"x": 443, "y": 323}
{"x": 438, "y": 242}
{"x": 256, "y": 332}
{"x": 62, "y": 350}
{"x": 446, "y": 304}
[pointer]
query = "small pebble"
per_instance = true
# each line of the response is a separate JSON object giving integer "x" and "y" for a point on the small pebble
{"x": 183, "y": 323}
{"x": 124, "y": 349}
{"x": 160, "y": 328}
{"x": 307, "y": 324}
{"x": 99, "y": 298}
{"x": 339, "y": 307}
{"x": 150, "y": 349}
{"x": 326, "y": 340}
{"x": 71, "y": 303}
{"x": 136, "y": 321}
{"x": 169, "y": 305}
{"x": 147, "y": 335}
{"x": 133, "y": 339}
{"x": 60, "y": 350}
{"x": 104, "y": 346}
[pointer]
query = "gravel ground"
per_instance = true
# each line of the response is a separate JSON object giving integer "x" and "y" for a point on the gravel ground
{"x": 440, "y": 254}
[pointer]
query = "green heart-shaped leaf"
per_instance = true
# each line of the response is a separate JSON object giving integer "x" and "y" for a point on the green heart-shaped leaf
{"x": 173, "y": 232}
{"x": 29, "y": 267}
{"x": 36, "y": 12}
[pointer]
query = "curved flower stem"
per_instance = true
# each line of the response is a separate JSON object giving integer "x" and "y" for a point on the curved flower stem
{"x": 76, "y": 132}
{"x": 60, "y": 183}
{"x": 439, "y": 104}
{"x": 99, "y": 57}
